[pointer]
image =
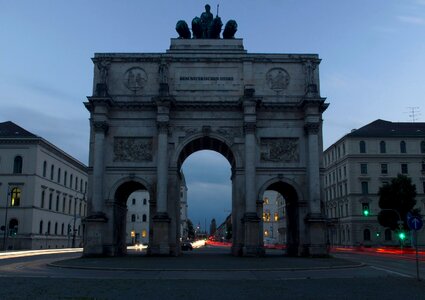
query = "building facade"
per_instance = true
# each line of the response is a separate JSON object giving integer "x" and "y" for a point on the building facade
{"x": 42, "y": 192}
{"x": 138, "y": 218}
{"x": 356, "y": 167}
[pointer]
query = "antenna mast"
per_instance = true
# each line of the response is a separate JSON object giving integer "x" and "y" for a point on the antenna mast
{"x": 414, "y": 113}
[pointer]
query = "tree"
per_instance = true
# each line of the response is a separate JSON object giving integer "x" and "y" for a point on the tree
{"x": 399, "y": 195}
{"x": 213, "y": 227}
{"x": 190, "y": 230}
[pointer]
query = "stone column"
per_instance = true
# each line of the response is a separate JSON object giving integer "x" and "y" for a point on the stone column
{"x": 252, "y": 243}
{"x": 161, "y": 221}
{"x": 96, "y": 218}
{"x": 100, "y": 129}
{"x": 316, "y": 221}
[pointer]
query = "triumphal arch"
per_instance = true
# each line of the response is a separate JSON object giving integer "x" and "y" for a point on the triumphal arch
{"x": 150, "y": 111}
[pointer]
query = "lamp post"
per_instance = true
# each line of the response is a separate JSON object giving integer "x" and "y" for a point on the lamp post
{"x": 5, "y": 220}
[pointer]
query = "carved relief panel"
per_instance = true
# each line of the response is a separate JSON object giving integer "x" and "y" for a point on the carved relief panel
{"x": 132, "y": 149}
{"x": 280, "y": 150}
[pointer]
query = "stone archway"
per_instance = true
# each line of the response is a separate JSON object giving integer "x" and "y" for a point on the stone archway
{"x": 149, "y": 111}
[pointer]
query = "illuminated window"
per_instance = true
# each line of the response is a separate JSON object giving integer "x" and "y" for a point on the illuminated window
{"x": 16, "y": 197}
{"x": 144, "y": 233}
{"x": 266, "y": 232}
{"x": 17, "y": 165}
{"x": 266, "y": 200}
{"x": 266, "y": 216}
{"x": 276, "y": 216}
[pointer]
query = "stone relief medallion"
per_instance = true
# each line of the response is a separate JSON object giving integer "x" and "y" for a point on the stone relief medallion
{"x": 277, "y": 79}
{"x": 132, "y": 149}
{"x": 280, "y": 149}
{"x": 135, "y": 79}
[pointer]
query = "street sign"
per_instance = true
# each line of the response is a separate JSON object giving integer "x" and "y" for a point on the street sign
{"x": 415, "y": 223}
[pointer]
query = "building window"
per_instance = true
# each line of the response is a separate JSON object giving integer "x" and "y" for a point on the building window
{"x": 57, "y": 202}
{"x": 276, "y": 217}
{"x": 365, "y": 188}
{"x": 387, "y": 234}
{"x": 48, "y": 227}
{"x": 85, "y": 187}
{"x": 81, "y": 185}
{"x": 50, "y": 200}
{"x": 423, "y": 147}
{"x": 62, "y": 229}
{"x": 59, "y": 175}
{"x": 76, "y": 183}
{"x": 144, "y": 218}
{"x": 366, "y": 235}
{"x": 133, "y": 201}
{"x": 52, "y": 170}
{"x": 80, "y": 209}
{"x": 70, "y": 181}
{"x": 144, "y": 201}
{"x": 56, "y": 228}
{"x": 382, "y": 147}
{"x": 402, "y": 147}
{"x": 40, "y": 229}
{"x": 63, "y": 204}
{"x": 16, "y": 197}
{"x": 144, "y": 233}
{"x": 362, "y": 145}
{"x": 65, "y": 178}
{"x": 266, "y": 216}
{"x": 43, "y": 193}
{"x": 404, "y": 169}
{"x": 44, "y": 168}
{"x": 266, "y": 200}
{"x": 70, "y": 205}
{"x": 17, "y": 165}
{"x": 133, "y": 218}
{"x": 384, "y": 169}
{"x": 423, "y": 187}
{"x": 363, "y": 168}
{"x": 266, "y": 233}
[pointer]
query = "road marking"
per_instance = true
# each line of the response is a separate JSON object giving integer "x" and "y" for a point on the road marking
{"x": 393, "y": 272}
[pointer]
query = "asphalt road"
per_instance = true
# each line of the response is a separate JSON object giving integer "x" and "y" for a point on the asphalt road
{"x": 31, "y": 277}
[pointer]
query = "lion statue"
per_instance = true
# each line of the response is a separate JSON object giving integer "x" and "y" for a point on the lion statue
{"x": 196, "y": 28}
{"x": 230, "y": 29}
{"x": 183, "y": 30}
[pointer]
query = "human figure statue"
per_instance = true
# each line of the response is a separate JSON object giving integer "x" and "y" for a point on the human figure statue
{"x": 206, "y": 21}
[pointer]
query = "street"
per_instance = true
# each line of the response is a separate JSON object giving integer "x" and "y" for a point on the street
{"x": 210, "y": 273}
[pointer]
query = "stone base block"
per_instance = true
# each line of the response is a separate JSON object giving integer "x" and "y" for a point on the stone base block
{"x": 160, "y": 235}
{"x": 93, "y": 242}
{"x": 253, "y": 245}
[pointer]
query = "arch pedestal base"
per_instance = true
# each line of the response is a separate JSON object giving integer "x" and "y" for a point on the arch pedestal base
{"x": 253, "y": 245}
{"x": 160, "y": 235}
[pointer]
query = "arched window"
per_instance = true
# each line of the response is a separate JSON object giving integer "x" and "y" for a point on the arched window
{"x": 17, "y": 165}
{"x": 81, "y": 185}
{"x": 48, "y": 227}
{"x": 144, "y": 201}
{"x": 59, "y": 175}
{"x": 40, "y": 230}
{"x": 362, "y": 146}
{"x": 15, "y": 197}
{"x": 388, "y": 236}
{"x": 56, "y": 228}
{"x": 13, "y": 227}
{"x": 50, "y": 200}
{"x": 366, "y": 235}
{"x": 43, "y": 193}
{"x": 382, "y": 147}
{"x": 52, "y": 171}
{"x": 63, "y": 228}
{"x": 402, "y": 147}
{"x": 44, "y": 168}
{"x": 423, "y": 147}
{"x": 144, "y": 218}
{"x": 133, "y": 218}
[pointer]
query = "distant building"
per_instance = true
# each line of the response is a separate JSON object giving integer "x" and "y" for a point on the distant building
{"x": 138, "y": 218}
{"x": 42, "y": 192}
{"x": 357, "y": 165}
{"x": 271, "y": 202}
{"x": 183, "y": 208}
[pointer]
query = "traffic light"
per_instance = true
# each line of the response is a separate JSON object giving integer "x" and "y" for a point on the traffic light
{"x": 401, "y": 235}
{"x": 378, "y": 234}
{"x": 365, "y": 209}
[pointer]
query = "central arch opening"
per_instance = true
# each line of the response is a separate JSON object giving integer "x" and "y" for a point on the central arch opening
{"x": 206, "y": 166}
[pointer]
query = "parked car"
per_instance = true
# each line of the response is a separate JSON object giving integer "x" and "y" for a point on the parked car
{"x": 185, "y": 246}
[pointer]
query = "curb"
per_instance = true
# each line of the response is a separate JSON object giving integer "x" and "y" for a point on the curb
{"x": 55, "y": 265}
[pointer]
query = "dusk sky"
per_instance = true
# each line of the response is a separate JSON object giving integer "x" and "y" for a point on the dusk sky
{"x": 372, "y": 64}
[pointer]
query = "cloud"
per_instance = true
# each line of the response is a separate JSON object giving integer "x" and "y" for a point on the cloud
{"x": 411, "y": 20}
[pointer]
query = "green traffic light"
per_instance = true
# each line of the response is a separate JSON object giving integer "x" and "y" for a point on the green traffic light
{"x": 365, "y": 212}
{"x": 402, "y": 235}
